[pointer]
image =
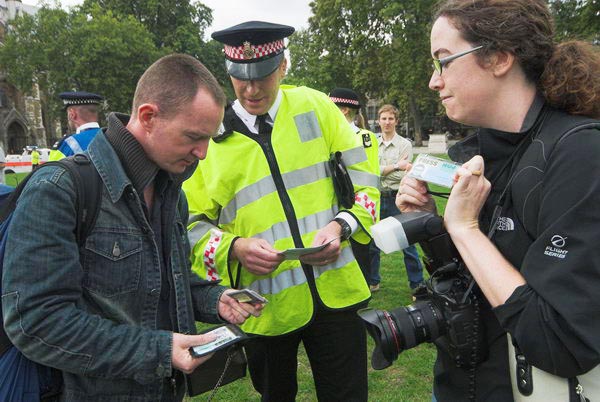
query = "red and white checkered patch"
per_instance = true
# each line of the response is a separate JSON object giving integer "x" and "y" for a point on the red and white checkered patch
{"x": 368, "y": 204}
{"x": 248, "y": 51}
{"x": 209, "y": 254}
{"x": 344, "y": 100}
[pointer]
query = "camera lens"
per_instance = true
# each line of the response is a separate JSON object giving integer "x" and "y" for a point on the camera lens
{"x": 402, "y": 328}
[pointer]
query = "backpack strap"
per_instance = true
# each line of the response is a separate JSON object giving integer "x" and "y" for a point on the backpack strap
{"x": 88, "y": 188}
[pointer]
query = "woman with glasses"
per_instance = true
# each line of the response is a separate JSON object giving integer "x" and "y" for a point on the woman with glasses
{"x": 528, "y": 228}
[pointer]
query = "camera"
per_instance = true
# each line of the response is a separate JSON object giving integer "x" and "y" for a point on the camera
{"x": 446, "y": 309}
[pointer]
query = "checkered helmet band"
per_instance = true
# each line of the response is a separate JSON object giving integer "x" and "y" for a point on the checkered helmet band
{"x": 249, "y": 51}
{"x": 344, "y": 100}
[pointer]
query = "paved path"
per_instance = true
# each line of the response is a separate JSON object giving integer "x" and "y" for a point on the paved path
{"x": 424, "y": 149}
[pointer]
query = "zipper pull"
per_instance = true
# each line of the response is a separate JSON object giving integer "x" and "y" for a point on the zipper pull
{"x": 579, "y": 391}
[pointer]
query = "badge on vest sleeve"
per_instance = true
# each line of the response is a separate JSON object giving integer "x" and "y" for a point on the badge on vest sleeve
{"x": 367, "y": 141}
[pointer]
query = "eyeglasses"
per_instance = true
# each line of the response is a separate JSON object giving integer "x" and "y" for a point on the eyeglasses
{"x": 438, "y": 64}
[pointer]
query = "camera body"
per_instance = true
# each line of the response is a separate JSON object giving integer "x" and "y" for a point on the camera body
{"x": 446, "y": 310}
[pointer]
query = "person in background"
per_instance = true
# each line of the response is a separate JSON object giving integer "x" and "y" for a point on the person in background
{"x": 395, "y": 155}
{"x": 35, "y": 159}
{"x": 523, "y": 213}
{"x": 348, "y": 103}
{"x": 82, "y": 117}
{"x": 117, "y": 316}
{"x": 266, "y": 187}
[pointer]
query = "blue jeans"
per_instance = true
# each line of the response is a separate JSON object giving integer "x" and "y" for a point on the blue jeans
{"x": 414, "y": 268}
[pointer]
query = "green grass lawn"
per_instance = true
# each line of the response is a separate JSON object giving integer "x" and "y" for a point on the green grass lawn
{"x": 409, "y": 379}
{"x": 13, "y": 179}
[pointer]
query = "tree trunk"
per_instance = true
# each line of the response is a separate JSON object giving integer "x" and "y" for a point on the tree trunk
{"x": 416, "y": 115}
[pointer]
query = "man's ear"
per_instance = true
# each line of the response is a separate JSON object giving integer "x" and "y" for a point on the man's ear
{"x": 501, "y": 63}
{"x": 283, "y": 67}
{"x": 71, "y": 114}
{"x": 146, "y": 115}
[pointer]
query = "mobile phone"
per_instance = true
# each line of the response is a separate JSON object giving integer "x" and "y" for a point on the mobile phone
{"x": 224, "y": 336}
{"x": 247, "y": 296}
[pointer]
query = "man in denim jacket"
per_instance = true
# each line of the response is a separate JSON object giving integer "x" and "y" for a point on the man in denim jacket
{"x": 115, "y": 316}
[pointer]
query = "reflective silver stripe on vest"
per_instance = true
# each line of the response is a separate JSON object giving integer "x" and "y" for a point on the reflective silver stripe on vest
{"x": 363, "y": 179}
{"x": 295, "y": 276}
{"x": 247, "y": 195}
{"x": 266, "y": 186}
{"x": 346, "y": 256}
{"x": 75, "y": 147}
{"x": 307, "y": 224}
{"x": 354, "y": 156}
{"x": 198, "y": 231}
{"x": 308, "y": 126}
{"x": 309, "y": 174}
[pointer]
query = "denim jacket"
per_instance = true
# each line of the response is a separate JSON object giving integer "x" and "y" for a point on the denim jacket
{"x": 91, "y": 312}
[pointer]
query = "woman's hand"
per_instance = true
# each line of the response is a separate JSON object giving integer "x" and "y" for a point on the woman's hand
{"x": 412, "y": 196}
{"x": 467, "y": 197}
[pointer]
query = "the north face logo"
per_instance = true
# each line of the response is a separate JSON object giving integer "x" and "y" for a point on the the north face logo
{"x": 505, "y": 224}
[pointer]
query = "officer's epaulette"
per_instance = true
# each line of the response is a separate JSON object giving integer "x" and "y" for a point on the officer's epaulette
{"x": 58, "y": 143}
{"x": 231, "y": 123}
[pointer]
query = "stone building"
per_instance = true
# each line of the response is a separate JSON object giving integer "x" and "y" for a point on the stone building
{"x": 21, "y": 120}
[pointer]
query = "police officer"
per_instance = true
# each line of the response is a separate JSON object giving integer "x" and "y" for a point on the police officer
{"x": 349, "y": 104}
{"x": 82, "y": 117}
{"x": 35, "y": 159}
{"x": 265, "y": 187}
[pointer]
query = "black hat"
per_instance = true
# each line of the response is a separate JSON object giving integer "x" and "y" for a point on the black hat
{"x": 345, "y": 97}
{"x": 80, "y": 98}
{"x": 253, "y": 49}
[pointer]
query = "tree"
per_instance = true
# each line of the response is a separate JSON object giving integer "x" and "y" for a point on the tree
{"x": 377, "y": 47}
{"x": 176, "y": 26}
{"x": 61, "y": 51}
{"x": 409, "y": 59}
{"x": 577, "y": 19}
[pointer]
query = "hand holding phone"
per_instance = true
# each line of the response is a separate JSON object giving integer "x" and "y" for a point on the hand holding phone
{"x": 247, "y": 296}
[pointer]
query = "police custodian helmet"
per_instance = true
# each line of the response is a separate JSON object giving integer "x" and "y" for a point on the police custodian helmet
{"x": 345, "y": 97}
{"x": 253, "y": 49}
{"x": 80, "y": 98}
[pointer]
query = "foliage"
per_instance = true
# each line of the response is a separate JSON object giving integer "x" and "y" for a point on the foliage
{"x": 176, "y": 26}
{"x": 96, "y": 52}
{"x": 380, "y": 48}
{"x": 377, "y": 47}
{"x": 342, "y": 38}
{"x": 577, "y": 19}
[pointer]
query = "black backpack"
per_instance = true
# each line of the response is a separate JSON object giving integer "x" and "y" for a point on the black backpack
{"x": 88, "y": 190}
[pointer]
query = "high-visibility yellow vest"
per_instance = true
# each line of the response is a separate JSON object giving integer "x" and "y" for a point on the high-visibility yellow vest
{"x": 280, "y": 190}
{"x": 55, "y": 155}
{"x": 371, "y": 146}
{"x": 35, "y": 157}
